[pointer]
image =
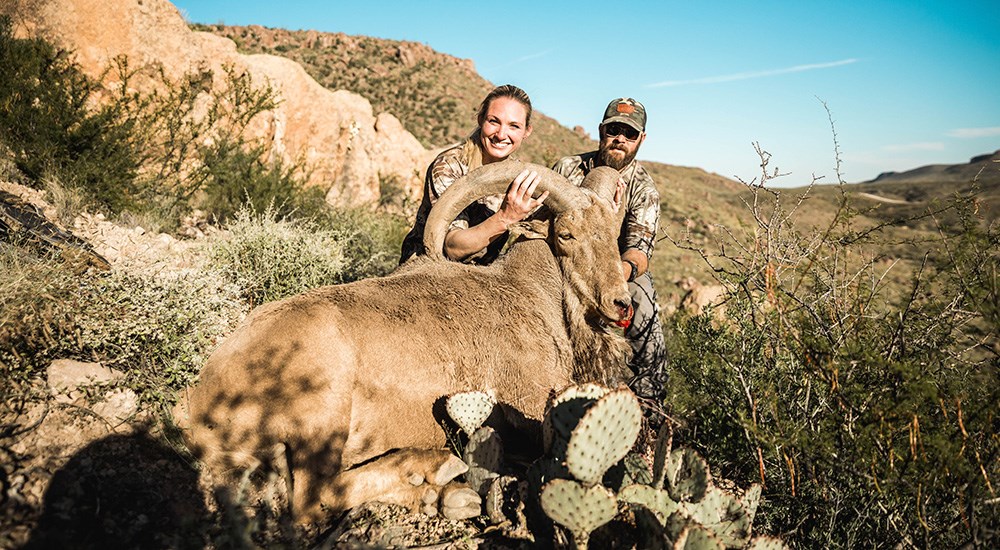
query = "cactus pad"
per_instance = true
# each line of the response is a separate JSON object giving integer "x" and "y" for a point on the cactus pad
{"x": 657, "y": 500}
{"x": 484, "y": 455}
{"x": 580, "y": 509}
{"x": 470, "y": 409}
{"x": 637, "y": 469}
{"x": 766, "y": 543}
{"x": 687, "y": 476}
{"x": 751, "y": 499}
{"x": 723, "y": 515}
{"x": 603, "y": 436}
{"x": 694, "y": 537}
{"x": 649, "y": 528}
{"x": 630, "y": 470}
{"x": 661, "y": 453}
{"x": 563, "y": 412}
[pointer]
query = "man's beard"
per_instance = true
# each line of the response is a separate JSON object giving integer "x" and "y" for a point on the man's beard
{"x": 605, "y": 158}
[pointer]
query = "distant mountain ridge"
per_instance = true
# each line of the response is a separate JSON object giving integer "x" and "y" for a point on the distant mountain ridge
{"x": 985, "y": 167}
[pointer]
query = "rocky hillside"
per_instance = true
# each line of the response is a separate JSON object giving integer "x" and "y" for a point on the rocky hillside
{"x": 912, "y": 193}
{"x": 433, "y": 94}
{"x": 348, "y": 148}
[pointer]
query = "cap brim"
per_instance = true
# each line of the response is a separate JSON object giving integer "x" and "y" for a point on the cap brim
{"x": 623, "y": 120}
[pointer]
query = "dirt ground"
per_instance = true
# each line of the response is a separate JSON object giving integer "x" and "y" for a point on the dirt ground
{"x": 72, "y": 479}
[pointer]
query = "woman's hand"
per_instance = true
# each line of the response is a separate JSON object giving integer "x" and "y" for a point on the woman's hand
{"x": 518, "y": 202}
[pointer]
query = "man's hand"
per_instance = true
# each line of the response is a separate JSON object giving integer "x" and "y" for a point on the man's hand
{"x": 634, "y": 263}
{"x": 619, "y": 193}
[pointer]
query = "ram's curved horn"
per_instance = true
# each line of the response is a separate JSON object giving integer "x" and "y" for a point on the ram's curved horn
{"x": 494, "y": 179}
{"x": 603, "y": 181}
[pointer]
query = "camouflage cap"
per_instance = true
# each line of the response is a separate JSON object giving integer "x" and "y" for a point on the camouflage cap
{"x": 626, "y": 110}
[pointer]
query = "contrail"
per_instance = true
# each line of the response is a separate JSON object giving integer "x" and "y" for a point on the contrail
{"x": 747, "y": 76}
{"x": 521, "y": 59}
{"x": 974, "y": 132}
{"x": 532, "y": 56}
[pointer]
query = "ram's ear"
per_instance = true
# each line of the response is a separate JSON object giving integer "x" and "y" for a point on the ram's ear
{"x": 531, "y": 229}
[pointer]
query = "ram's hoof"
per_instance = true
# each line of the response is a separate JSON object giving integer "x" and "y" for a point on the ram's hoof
{"x": 459, "y": 502}
{"x": 451, "y": 468}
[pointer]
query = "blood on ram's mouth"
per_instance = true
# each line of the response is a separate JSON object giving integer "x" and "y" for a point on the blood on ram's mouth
{"x": 626, "y": 317}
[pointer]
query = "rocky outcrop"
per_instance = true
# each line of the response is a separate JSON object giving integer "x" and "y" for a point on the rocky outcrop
{"x": 348, "y": 150}
{"x": 699, "y": 296}
{"x": 69, "y": 380}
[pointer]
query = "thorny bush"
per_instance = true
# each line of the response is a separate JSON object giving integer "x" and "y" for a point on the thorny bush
{"x": 868, "y": 413}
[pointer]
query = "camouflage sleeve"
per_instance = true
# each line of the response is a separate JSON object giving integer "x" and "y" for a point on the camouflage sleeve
{"x": 642, "y": 217}
{"x": 570, "y": 168}
{"x": 445, "y": 169}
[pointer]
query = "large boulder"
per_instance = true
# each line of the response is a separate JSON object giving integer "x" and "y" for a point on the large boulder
{"x": 348, "y": 150}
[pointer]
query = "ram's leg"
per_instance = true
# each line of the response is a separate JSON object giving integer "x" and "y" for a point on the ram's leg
{"x": 419, "y": 479}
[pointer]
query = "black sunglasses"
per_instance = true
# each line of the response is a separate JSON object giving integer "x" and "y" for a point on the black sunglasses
{"x": 616, "y": 129}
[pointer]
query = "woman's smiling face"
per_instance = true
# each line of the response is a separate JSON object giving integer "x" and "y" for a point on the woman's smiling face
{"x": 503, "y": 129}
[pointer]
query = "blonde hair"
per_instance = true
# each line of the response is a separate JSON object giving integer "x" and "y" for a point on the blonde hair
{"x": 472, "y": 155}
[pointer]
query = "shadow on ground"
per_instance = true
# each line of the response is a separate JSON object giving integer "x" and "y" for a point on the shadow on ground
{"x": 123, "y": 492}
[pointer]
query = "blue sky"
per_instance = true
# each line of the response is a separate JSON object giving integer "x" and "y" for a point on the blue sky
{"x": 906, "y": 83}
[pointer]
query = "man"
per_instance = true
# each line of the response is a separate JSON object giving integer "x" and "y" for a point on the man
{"x": 622, "y": 132}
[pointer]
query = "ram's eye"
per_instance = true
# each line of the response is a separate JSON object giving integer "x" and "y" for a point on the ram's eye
{"x": 565, "y": 236}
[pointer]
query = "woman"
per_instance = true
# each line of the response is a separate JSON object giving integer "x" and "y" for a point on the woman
{"x": 504, "y": 119}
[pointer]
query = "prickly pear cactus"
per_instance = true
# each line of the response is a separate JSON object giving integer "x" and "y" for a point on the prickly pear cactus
{"x": 690, "y": 498}
{"x": 590, "y": 429}
{"x": 723, "y": 515}
{"x": 579, "y": 508}
{"x": 603, "y": 436}
{"x": 470, "y": 409}
{"x": 657, "y": 501}
{"x": 694, "y": 537}
{"x": 563, "y": 413}
{"x": 687, "y": 476}
{"x": 484, "y": 455}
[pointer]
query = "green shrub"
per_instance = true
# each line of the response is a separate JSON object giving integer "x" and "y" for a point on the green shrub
{"x": 270, "y": 257}
{"x": 871, "y": 420}
{"x": 371, "y": 240}
{"x": 196, "y": 152}
{"x": 235, "y": 175}
{"x": 182, "y": 144}
{"x": 46, "y": 124}
{"x": 157, "y": 330}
